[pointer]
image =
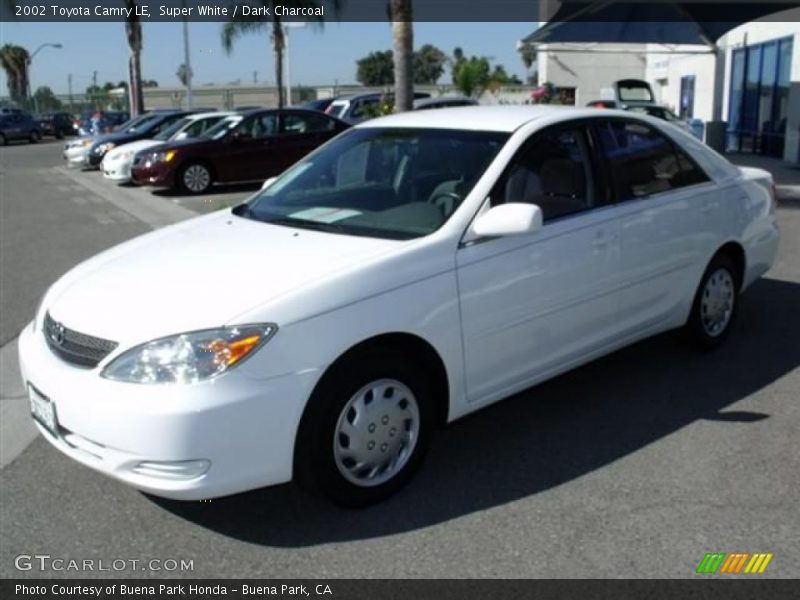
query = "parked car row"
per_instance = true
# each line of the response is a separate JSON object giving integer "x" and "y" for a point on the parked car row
{"x": 192, "y": 151}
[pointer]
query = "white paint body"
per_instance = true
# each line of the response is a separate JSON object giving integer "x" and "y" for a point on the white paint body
{"x": 503, "y": 314}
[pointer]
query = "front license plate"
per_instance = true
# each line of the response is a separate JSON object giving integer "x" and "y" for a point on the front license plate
{"x": 43, "y": 410}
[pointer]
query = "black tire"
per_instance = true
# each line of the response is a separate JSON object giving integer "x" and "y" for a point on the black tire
{"x": 59, "y": 134}
{"x": 315, "y": 465}
{"x": 188, "y": 184}
{"x": 35, "y": 137}
{"x": 3, "y": 140}
{"x": 698, "y": 330}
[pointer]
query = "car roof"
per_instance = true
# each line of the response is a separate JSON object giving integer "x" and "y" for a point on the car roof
{"x": 506, "y": 118}
{"x": 210, "y": 114}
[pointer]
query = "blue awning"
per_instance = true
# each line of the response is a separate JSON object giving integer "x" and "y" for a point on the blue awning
{"x": 649, "y": 22}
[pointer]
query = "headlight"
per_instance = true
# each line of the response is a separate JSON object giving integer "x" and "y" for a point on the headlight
{"x": 189, "y": 357}
{"x": 103, "y": 148}
{"x": 86, "y": 143}
{"x": 127, "y": 155}
{"x": 162, "y": 156}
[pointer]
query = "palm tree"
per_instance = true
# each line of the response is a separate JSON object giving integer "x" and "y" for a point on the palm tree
{"x": 528, "y": 55}
{"x": 14, "y": 60}
{"x": 183, "y": 75}
{"x": 133, "y": 30}
{"x": 403, "y": 43}
{"x": 232, "y": 30}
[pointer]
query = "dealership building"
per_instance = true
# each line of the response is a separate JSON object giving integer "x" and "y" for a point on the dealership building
{"x": 760, "y": 95}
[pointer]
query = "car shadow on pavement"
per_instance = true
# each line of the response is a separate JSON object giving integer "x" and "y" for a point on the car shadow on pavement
{"x": 233, "y": 188}
{"x": 546, "y": 436}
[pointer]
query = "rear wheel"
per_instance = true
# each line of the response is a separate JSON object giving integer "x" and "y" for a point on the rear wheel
{"x": 195, "y": 178}
{"x": 365, "y": 430}
{"x": 35, "y": 137}
{"x": 3, "y": 141}
{"x": 715, "y": 304}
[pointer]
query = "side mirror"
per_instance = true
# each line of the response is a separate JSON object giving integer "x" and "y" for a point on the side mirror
{"x": 181, "y": 136}
{"x": 514, "y": 218}
{"x": 268, "y": 183}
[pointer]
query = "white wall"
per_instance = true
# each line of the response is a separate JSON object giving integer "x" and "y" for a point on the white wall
{"x": 589, "y": 71}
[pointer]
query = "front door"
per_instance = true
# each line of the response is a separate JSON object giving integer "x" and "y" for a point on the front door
{"x": 534, "y": 304}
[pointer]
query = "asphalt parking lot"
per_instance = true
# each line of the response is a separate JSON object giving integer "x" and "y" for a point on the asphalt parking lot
{"x": 633, "y": 466}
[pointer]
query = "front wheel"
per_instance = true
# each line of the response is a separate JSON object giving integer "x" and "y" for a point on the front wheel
{"x": 35, "y": 137}
{"x": 195, "y": 178}
{"x": 715, "y": 304}
{"x": 3, "y": 141}
{"x": 365, "y": 431}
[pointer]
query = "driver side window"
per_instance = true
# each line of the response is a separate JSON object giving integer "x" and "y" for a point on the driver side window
{"x": 551, "y": 170}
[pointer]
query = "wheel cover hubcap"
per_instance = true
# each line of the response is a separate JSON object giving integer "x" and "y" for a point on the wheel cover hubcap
{"x": 376, "y": 433}
{"x": 196, "y": 178}
{"x": 716, "y": 306}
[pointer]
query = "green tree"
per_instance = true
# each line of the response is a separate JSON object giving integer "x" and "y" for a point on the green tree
{"x": 233, "y": 30}
{"x": 429, "y": 64}
{"x": 528, "y": 55}
{"x": 14, "y": 60}
{"x": 375, "y": 69}
{"x": 149, "y": 83}
{"x": 403, "y": 45}
{"x": 471, "y": 76}
{"x": 46, "y": 99}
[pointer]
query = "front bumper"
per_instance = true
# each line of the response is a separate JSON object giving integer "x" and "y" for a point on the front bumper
{"x": 77, "y": 157}
{"x": 118, "y": 170}
{"x": 243, "y": 426}
{"x": 155, "y": 174}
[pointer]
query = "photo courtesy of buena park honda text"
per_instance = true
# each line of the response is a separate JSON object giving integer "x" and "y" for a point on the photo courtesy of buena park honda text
{"x": 425, "y": 299}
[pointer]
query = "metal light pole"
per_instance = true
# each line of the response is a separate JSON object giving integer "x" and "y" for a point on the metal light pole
{"x": 286, "y": 28}
{"x": 29, "y": 61}
{"x": 187, "y": 63}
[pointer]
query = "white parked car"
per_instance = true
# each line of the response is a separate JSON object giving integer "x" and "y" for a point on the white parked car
{"x": 76, "y": 151}
{"x": 116, "y": 164}
{"x": 412, "y": 270}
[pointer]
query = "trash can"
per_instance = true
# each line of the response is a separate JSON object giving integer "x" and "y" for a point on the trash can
{"x": 715, "y": 135}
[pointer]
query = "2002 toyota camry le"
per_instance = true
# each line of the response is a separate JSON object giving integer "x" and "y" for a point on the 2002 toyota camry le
{"x": 412, "y": 270}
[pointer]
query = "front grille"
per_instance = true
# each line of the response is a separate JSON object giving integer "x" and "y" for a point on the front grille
{"x": 75, "y": 347}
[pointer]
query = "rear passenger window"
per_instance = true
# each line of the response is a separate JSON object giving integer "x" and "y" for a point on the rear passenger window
{"x": 643, "y": 161}
{"x": 553, "y": 171}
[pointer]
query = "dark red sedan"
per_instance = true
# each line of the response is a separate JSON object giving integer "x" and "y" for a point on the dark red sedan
{"x": 247, "y": 147}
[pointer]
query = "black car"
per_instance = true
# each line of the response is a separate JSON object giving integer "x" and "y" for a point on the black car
{"x": 320, "y": 104}
{"x": 151, "y": 125}
{"x": 18, "y": 126}
{"x": 57, "y": 124}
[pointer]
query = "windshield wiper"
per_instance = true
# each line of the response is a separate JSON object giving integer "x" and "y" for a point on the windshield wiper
{"x": 305, "y": 224}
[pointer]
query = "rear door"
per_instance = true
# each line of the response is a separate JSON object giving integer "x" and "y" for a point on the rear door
{"x": 663, "y": 199}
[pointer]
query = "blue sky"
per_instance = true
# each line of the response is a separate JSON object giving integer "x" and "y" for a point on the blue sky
{"x": 318, "y": 56}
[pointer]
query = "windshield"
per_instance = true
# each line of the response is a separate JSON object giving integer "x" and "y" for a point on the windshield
{"x": 386, "y": 183}
{"x": 134, "y": 124}
{"x": 173, "y": 129}
{"x": 221, "y": 128}
{"x": 336, "y": 109}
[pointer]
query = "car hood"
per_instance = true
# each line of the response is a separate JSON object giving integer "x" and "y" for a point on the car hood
{"x": 198, "y": 274}
{"x": 134, "y": 147}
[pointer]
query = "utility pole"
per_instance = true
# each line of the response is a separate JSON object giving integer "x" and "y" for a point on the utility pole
{"x": 187, "y": 63}
{"x": 255, "y": 77}
{"x": 69, "y": 88}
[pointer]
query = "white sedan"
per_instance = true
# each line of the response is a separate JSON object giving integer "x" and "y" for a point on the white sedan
{"x": 412, "y": 270}
{"x": 116, "y": 164}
